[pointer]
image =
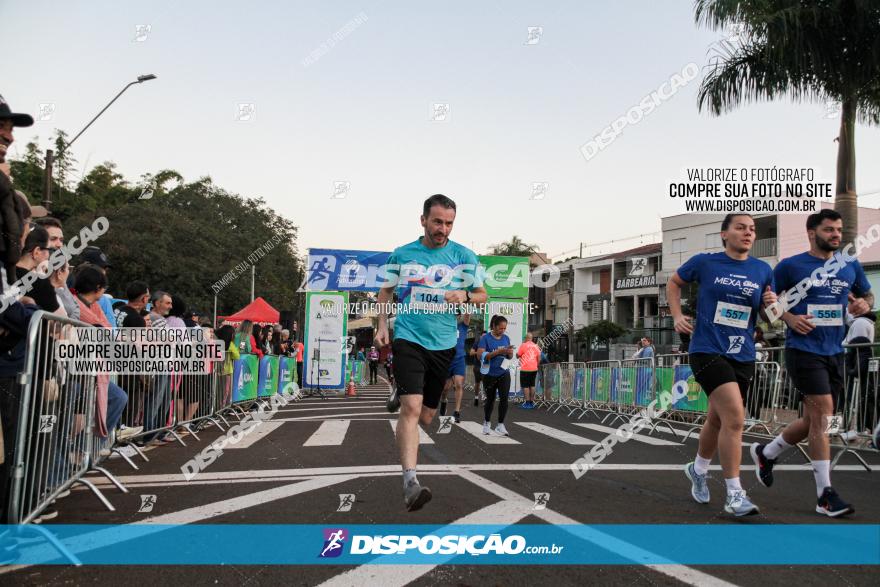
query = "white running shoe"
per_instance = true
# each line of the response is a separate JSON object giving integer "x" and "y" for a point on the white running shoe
{"x": 486, "y": 427}
{"x": 500, "y": 429}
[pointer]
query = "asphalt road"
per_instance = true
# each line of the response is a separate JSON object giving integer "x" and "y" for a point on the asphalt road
{"x": 294, "y": 468}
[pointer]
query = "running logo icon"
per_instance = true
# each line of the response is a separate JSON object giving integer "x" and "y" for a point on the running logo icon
{"x": 736, "y": 344}
{"x": 346, "y": 500}
{"x": 147, "y": 503}
{"x": 541, "y": 500}
{"x": 445, "y": 425}
{"x": 334, "y": 540}
{"x": 320, "y": 271}
{"x": 638, "y": 266}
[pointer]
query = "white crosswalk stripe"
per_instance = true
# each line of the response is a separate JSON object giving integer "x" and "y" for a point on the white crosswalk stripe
{"x": 562, "y": 435}
{"x": 255, "y": 434}
{"x": 636, "y": 437}
{"x": 492, "y": 438}
{"x": 423, "y": 436}
{"x": 329, "y": 433}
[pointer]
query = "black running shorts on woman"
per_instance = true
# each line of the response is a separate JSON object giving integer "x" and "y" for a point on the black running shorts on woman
{"x": 418, "y": 370}
{"x": 713, "y": 371}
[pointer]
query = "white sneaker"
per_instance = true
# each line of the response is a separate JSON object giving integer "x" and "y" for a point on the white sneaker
{"x": 500, "y": 429}
{"x": 127, "y": 432}
{"x": 486, "y": 427}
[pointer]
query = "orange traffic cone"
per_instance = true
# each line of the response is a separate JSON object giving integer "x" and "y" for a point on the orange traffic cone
{"x": 352, "y": 390}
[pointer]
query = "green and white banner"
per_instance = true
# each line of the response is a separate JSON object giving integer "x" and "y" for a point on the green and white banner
{"x": 506, "y": 277}
{"x": 324, "y": 356}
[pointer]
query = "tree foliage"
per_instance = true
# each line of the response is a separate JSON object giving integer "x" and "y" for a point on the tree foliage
{"x": 601, "y": 332}
{"x": 515, "y": 247}
{"x": 808, "y": 50}
{"x": 177, "y": 236}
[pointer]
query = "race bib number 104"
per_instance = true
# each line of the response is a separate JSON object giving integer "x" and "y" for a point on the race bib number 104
{"x": 427, "y": 299}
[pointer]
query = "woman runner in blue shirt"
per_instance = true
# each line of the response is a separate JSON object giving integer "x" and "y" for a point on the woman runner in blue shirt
{"x": 496, "y": 346}
{"x": 734, "y": 288}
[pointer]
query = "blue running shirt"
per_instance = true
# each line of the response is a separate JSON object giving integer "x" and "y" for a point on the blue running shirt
{"x": 825, "y": 300}
{"x": 490, "y": 343}
{"x": 728, "y": 302}
{"x": 422, "y": 276}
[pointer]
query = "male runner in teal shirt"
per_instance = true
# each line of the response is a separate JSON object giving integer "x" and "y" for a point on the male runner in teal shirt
{"x": 431, "y": 275}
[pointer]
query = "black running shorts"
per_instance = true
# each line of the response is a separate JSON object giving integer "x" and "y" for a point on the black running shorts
{"x": 527, "y": 378}
{"x": 814, "y": 374}
{"x": 418, "y": 370}
{"x": 713, "y": 371}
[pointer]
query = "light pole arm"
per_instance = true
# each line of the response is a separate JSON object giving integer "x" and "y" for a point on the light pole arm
{"x": 99, "y": 114}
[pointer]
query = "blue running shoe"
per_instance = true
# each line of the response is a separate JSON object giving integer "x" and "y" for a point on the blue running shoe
{"x": 699, "y": 487}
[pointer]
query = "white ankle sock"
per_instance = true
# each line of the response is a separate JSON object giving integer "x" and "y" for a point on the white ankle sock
{"x": 776, "y": 447}
{"x": 701, "y": 465}
{"x": 409, "y": 475}
{"x": 733, "y": 485}
{"x": 822, "y": 475}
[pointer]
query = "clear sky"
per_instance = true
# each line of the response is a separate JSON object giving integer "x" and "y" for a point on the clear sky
{"x": 361, "y": 111}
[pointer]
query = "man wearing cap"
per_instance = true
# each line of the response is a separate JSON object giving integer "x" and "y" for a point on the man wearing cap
{"x": 14, "y": 319}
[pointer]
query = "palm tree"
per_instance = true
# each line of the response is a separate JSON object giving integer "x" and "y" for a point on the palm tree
{"x": 515, "y": 247}
{"x": 811, "y": 50}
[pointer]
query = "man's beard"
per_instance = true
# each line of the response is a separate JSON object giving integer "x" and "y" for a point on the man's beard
{"x": 825, "y": 245}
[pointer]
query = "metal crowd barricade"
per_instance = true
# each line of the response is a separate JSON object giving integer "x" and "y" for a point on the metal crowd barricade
{"x": 857, "y": 409}
{"x": 167, "y": 403}
{"x": 55, "y": 439}
{"x": 550, "y": 377}
{"x": 598, "y": 380}
{"x": 566, "y": 387}
{"x": 633, "y": 386}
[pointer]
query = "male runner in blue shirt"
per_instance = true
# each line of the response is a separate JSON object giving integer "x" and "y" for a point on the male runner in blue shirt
{"x": 813, "y": 348}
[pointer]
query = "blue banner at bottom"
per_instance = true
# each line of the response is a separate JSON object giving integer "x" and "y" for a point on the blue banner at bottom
{"x": 525, "y": 544}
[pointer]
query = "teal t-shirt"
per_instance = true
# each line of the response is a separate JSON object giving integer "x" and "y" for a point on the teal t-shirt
{"x": 422, "y": 276}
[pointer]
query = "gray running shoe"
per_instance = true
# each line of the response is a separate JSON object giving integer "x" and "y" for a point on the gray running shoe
{"x": 738, "y": 504}
{"x": 416, "y": 496}
{"x": 393, "y": 403}
{"x": 699, "y": 487}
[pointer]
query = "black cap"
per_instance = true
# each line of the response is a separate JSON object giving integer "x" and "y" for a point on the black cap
{"x": 95, "y": 256}
{"x": 17, "y": 119}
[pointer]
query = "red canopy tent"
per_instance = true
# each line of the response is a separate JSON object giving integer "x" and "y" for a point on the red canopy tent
{"x": 258, "y": 311}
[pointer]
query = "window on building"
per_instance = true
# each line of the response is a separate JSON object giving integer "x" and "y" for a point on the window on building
{"x": 597, "y": 277}
{"x": 713, "y": 240}
{"x": 596, "y": 311}
{"x": 679, "y": 245}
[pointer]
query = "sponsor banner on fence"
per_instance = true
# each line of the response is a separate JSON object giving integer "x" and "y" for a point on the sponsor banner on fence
{"x": 245, "y": 374}
{"x": 454, "y": 544}
{"x": 286, "y": 372}
{"x": 601, "y": 383}
{"x": 696, "y": 400}
{"x": 268, "y": 382}
{"x": 324, "y": 357}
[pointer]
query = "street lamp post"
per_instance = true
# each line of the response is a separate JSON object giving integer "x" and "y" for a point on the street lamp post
{"x": 47, "y": 185}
